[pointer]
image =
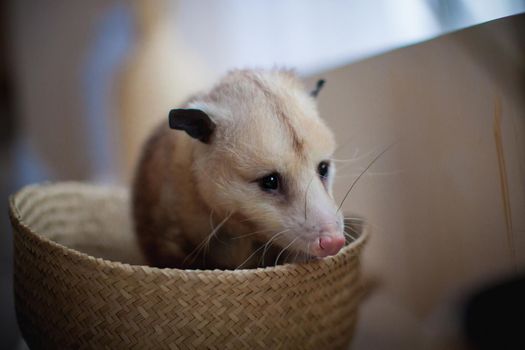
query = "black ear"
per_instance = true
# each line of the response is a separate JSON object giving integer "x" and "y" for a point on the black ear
{"x": 194, "y": 121}
{"x": 318, "y": 87}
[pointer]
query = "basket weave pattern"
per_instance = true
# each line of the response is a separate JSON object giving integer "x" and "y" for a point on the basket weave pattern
{"x": 67, "y": 299}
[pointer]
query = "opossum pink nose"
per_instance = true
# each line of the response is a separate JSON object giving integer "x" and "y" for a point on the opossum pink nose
{"x": 330, "y": 245}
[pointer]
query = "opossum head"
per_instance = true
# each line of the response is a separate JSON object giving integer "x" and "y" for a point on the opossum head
{"x": 262, "y": 157}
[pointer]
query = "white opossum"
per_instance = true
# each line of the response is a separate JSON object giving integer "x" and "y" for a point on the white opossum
{"x": 248, "y": 184}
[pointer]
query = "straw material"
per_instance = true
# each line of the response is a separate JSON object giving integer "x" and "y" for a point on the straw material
{"x": 67, "y": 299}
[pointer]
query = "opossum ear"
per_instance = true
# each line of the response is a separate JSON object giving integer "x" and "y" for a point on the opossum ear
{"x": 194, "y": 121}
{"x": 318, "y": 87}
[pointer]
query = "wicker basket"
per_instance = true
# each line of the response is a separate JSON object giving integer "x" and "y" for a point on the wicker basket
{"x": 68, "y": 299}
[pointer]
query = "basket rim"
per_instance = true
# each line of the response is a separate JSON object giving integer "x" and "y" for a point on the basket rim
{"x": 74, "y": 186}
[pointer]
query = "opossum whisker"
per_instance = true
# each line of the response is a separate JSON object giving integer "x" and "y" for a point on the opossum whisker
{"x": 206, "y": 241}
{"x": 282, "y": 251}
{"x": 288, "y": 255}
{"x": 335, "y": 160}
{"x": 262, "y": 217}
{"x": 249, "y": 257}
{"x": 250, "y": 234}
{"x": 216, "y": 230}
{"x": 266, "y": 246}
{"x": 353, "y": 158}
{"x": 252, "y": 218}
{"x": 194, "y": 253}
{"x": 212, "y": 227}
{"x": 363, "y": 172}
{"x": 346, "y": 143}
{"x": 206, "y": 247}
{"x": 373, "y": 173}
{"x": 342, "y": 170}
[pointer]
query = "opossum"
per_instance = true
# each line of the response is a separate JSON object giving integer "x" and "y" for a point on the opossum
{"x": 241, "y": 178}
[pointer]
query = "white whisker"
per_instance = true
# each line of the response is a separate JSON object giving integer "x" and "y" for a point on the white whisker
{"x": 206, "y": 241}
{"x": 363, "y": 172}
{"x": 270, "y": 241}
{"x": 282, "y": 251}
{"x": 249, "y": 257}
{"x": 249, "y": 234}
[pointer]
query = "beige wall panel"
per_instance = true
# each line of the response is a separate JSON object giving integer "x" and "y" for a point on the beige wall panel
{"x": 442, "y": 219}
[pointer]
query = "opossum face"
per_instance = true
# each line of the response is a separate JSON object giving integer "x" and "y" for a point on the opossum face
{"x": 266, "y": 162}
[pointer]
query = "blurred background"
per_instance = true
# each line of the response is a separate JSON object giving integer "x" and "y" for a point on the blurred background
{"x": 82, "y": 83}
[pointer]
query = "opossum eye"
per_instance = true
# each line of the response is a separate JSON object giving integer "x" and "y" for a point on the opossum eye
{"x": 270, "y": 182}
{"x": 322, "y": 169}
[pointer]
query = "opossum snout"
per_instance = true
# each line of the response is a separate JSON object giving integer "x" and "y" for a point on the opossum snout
{"x": 328, "y": 245}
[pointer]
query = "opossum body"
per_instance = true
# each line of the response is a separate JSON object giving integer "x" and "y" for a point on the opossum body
{"x": 241, "y": 178}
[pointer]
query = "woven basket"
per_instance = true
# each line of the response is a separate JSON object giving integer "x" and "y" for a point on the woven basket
{"x": 67, "y": 299}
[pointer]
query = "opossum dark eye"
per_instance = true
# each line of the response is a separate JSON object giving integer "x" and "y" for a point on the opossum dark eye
{"x": 322, "y": 169}
{"x": 270, "y": 182}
